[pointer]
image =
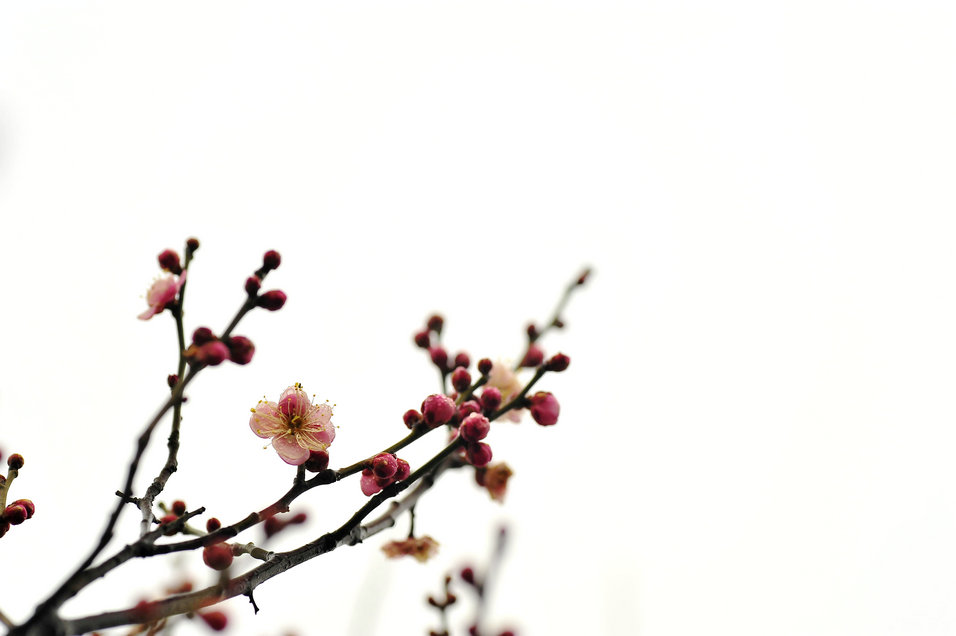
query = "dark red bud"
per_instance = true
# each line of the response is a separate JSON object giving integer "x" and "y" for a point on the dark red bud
{"x": 213, "y": 353}
{"x": 423, "y": 339}
{"x": 461, "y": 379}
{"x": 532, "y": 332}
{"x": 439, "y": 357}
{"x": 26, "y": 503}
{"x": 192, "y": 244}
{"x": 484, "y": 366}
{"x": 241, "y": 349}
{"x": 435, "y": 323}
{"x": 213, "y": 524}
{"x": 558, "y": 362}
{"x": 403, "y": 471}
{"x": 490, "y": 399}
{"x": 271, "y": 300}
{"x": 271, "y": 260}
{"x": 15, "y": 514}
{"x": 202, "y": 335}
{"x": 216, "y": 620}
{"x": 179, "y": 507}
{"x": 533, "y": 356}
{"x": 169, "y": 261}
{"x": 318, "y": 460}
{"x": 468, "y": 575}
{"x": 478, "y": 454}
{"x": 412, "y": 418}
{"x": 384, "y": 465}
{"x": 15, "y": 461}
{"x": 253, "y": 285}
{"x": 218, "y": 556}
{"x": 172, "y": 380}
{"x": 462, "y": 360}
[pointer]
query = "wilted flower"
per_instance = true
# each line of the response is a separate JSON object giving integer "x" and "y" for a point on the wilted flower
{"x": 494, "y": 478}
{"x": 162, "y": 292}
{"x": 295, "y": 425}
{"x": 422, "y": 548}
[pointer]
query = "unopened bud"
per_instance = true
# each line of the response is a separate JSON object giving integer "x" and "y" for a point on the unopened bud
{"x": 558, "y": 362}
{"x": 484, "y": 366}
{"x": 271, "y": 300}
{"x": 435, "y": 323}
{"x": 15, "y": 461}
{"x": 317, "y": 461}
{"x": 169, "y": 261}
{"x": 241, "y": 349}
{"x": 218, "y": 556}
{"x": 253, "y": 285}
{"x": 461, "y": 379}
{"x": 412, "y": 418}
{"x": 271, "y": 260}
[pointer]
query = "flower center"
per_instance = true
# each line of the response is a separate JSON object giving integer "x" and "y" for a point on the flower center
{"x": 295, "y": 422}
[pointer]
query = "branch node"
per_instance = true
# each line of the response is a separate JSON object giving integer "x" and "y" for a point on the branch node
{"x": 255, "y": 608}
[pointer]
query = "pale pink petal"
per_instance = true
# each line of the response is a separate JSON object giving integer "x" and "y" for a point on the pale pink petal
{"x": 321, "y": 413}
{"x": 315, "y": 439}
{"x": 149, "y": 313}
{"x": 289, "y": 450}
{"x": 369, "y": 485}
{"x": 267, "y": 421}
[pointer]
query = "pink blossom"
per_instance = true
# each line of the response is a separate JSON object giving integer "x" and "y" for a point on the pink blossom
{"x": 544, "y": 408}
{"x": 422, "y": 549}
{"x": 161, "y": 293}
{"x": 295, "y": 425}
{"x": 506, "y": 381}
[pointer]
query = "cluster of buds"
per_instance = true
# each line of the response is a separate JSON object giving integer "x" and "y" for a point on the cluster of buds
{"x": 429, "y": 339}
{"x": 20, "y": 510}
{"x": 473, "y": 429}
{"x": 274, "y": 299}
{"x": 208, "y": 349}
{"x": 176, "y": 510}
{"x": 383, "y": 470}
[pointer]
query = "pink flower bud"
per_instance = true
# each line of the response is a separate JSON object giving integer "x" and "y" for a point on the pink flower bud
{"x": 462, "y": 359}
{"x": 241, "y": 349}
{"x": 423, "y": 339}
{"x": 403, "y": 470}
{"x": 533, "y": 357}
{"x": 437, "y": 410}
{"x": 213, "y": 353}
{"x": 478, "y": 454}
{"x": 439, "y": 357}
{"x": 558, "y": 362}
{"x": 202, "y": 335}
{"x": 218, "y": 556}
{"x": 544, "y": 408}
{"x": 484, "y": 366}
{"x": 169, "y": 261}
{"x": 26, "y": 503}
{"x": 271, "y": 300}
{"x": 474, "y": 428}
{"x": 384, "y": 465}
{"x": 15, "y": 514}
{"x": 466, "y": 409}
{"x": 412, "y": 418}
{"x": 461, "y": 379}
{"x": 216, "y": 620}
{"x": 490, "y": 399}
{"x": 15, "y": 461}
{"x": 271, "y": 260}
{"x": 253, "y": 285}
{"x": 317, "y": 461}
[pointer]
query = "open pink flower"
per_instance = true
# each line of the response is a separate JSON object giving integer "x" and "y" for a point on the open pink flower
{"x": 295, "y": 425}
{"x": 161, "y": 293}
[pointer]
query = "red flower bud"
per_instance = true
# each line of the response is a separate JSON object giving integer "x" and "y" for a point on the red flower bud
{"x": 218, "y": 556}
{"x": 165, "y": 520}
{"x": 271, "y": 260}
{"x": 468, "y": 575}
{"x": 558, "y": 362}
{"x": 213, "y": 524}
{"x": 403, "y": 471}
{"x": 437, "y": 410}
{"x": 423, "y": 339}
{"x": 192, "y": 244}
{"x": 271, "y": 300}
{"x": 202, "y": 335}
{"x": 318, "y": 460}
{"x": 484, "y": 366}
{"x": 544, "y": 408}
{"x": 435, "y": 323}
{"x": 478, "y": 454}
{"x": 179, "y": 507}
{"x": 172, "y": 380}
{"x": 169, "y": 261}
{"x": 213, "y": 353}
{"x": 461, "y": 379}
{"x": 533, "y": 356}
{"x": 217, "y": 621}
{"x": 384, "y": 465}
{"x": 26, "y": 503}
{"x": 241, "y": 349}
{"x": 412, "y": 418}
{"x": 462, "y": 359}
{"x": 490, "y": 399}
{"x": 15, "y": 461}
{"x": 15, "y": 514}
{"x": 253, "y": 284}
{"x": 532, "y": 332}
{"x": 474, "y": 428}
{"x": 439, "y": 357}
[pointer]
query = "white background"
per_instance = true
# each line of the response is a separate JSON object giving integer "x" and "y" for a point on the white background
{"x": 756, "y": 433}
